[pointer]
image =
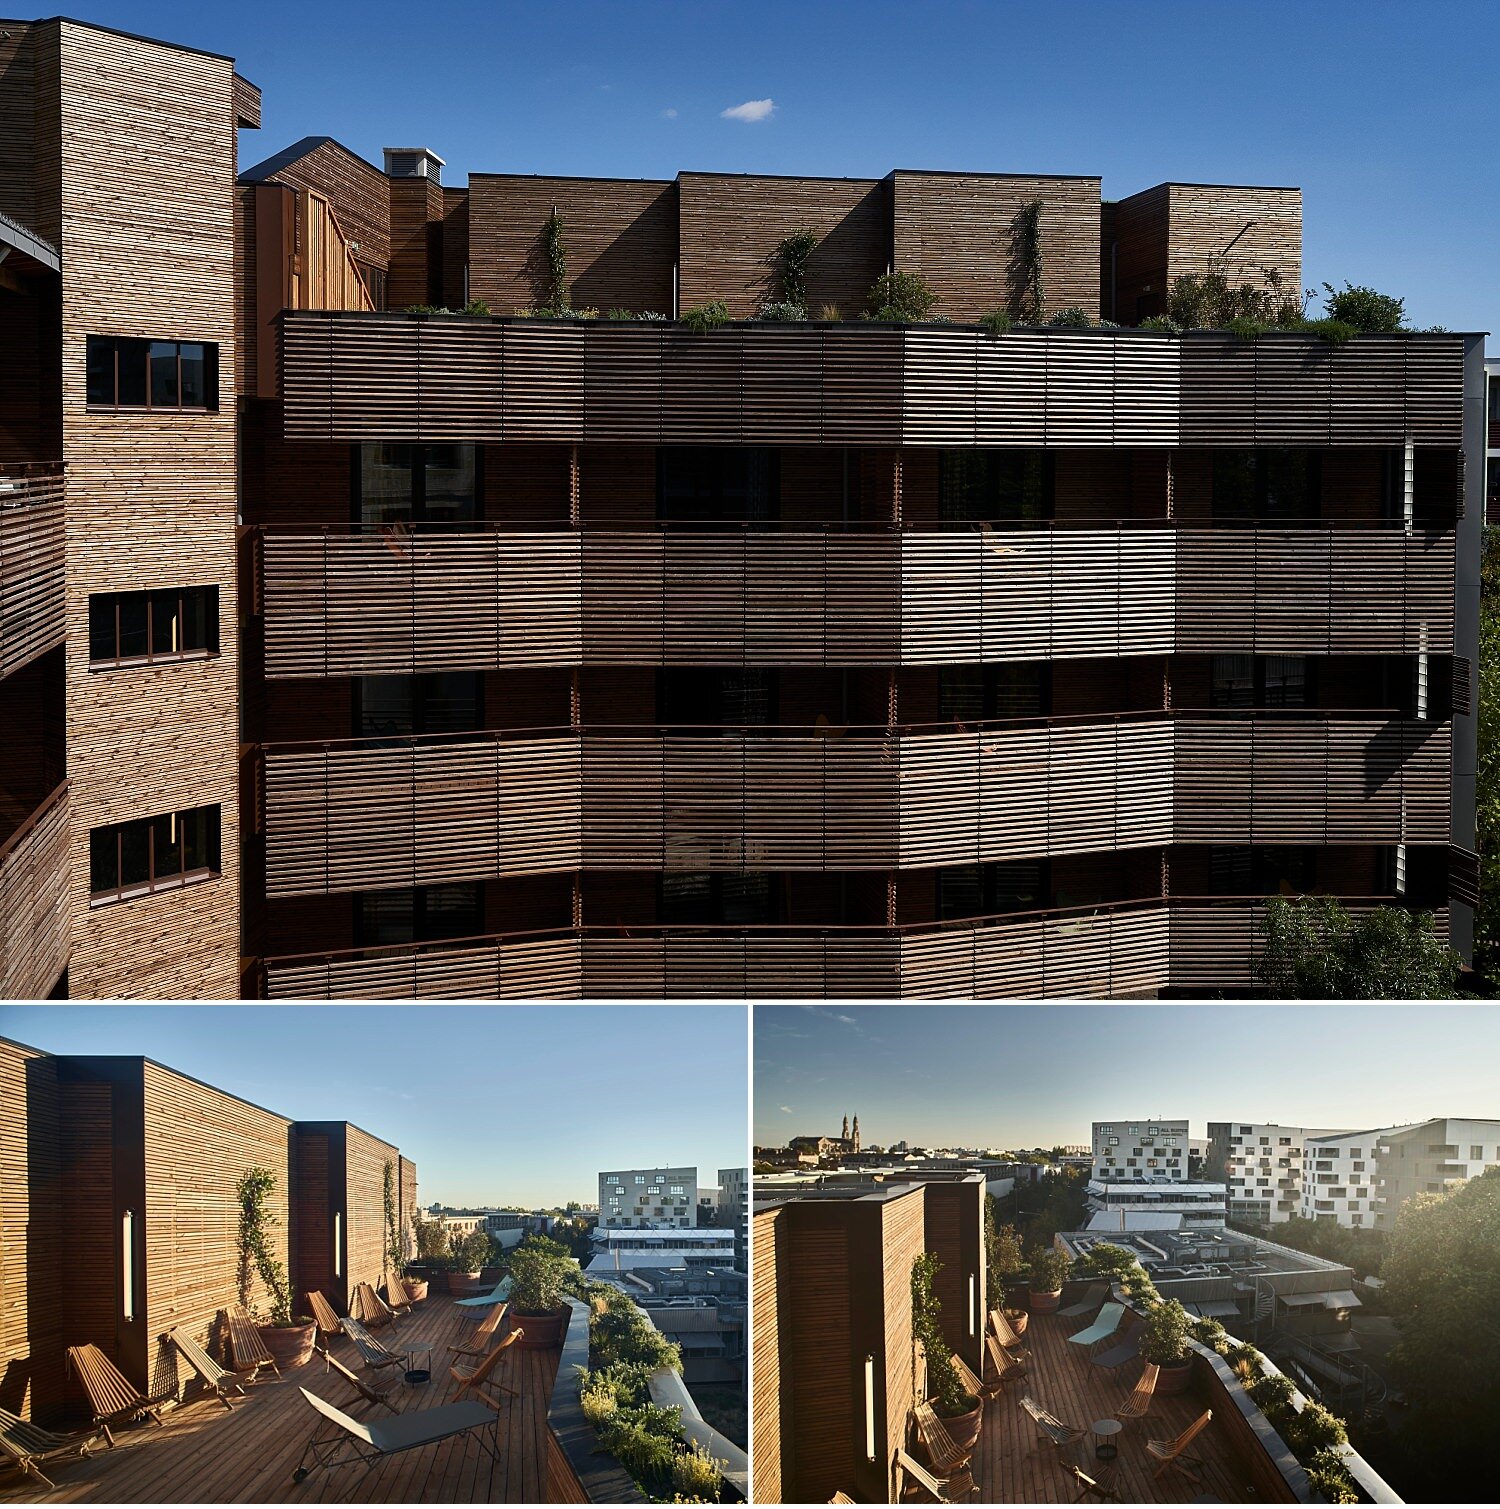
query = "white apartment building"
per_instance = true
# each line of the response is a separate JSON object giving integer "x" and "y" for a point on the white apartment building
{"x": 649, "y": 1198}
{"x": 1430, "y": 1157}
{"x": 1263, "y": 1167}
{"x": 734, "y": 1210}
{"x": 616, "y": 1250}
{"x": 1339, "y": 1174}
{"x": 1140, "y": 1149}
{"x": 1140, "y": 1180}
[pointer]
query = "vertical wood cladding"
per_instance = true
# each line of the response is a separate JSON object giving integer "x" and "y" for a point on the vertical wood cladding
{"x": 620, "y": 235}
{"x": 416, "y": 270}
{"x": 730, "y": 225}
{"x": 364, "y": 1209}
{"x": 358, "y": 192}
{"x": 32, "y": 1303}
{"x": 765, "y": 1346}
{"x": 198, "y": 1144}
{"x": 34, "y": 877}
{"x": 17, "y": 123}
{"x": 409, "y": 1209}
{"x": 957, "y": 230}
{"x": 902, "y": 1242}
{"x": 146, "y": 138}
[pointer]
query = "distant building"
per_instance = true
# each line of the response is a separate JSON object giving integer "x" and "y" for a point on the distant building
{"x": 734, "y": 1211}
{"x": 1140, "y": 1149}
{"x": 649, "y": 1198}
{"x": 1430, "y": 1158}
{"x": 702, "y": 1307}
{"x": 1263, "y": 1168}
{"x": 1139, "y": 1179}
{"x": 615, "y": 1249}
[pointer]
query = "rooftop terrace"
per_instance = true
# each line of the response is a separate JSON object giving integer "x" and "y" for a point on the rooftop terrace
{"x": 201, "y": 1454}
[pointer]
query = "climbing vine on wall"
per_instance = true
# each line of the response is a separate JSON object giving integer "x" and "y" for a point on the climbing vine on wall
{"x": 1026, "y": 262}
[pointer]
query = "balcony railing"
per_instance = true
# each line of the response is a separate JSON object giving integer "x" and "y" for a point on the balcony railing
{"x": 1127, "y": 949}
{"x": 366, "y": 814}
{"x": 348, "y": 602}
{"x": 31, "y": 564}
{"x": 34, "y": 934}
{"x": 350, "y": 377}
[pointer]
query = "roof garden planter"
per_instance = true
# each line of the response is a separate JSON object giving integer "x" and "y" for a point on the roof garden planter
{"x": 965, "y": 1428}
{"x": 416, "y": 1288}
{"x": 1049, "y": 1271}
{"x": 290, "y": 1346}
{"x": 540, "y": 1331}
{"x": 1166, "y": 1341}
{"x": 541, "y": 1272}
{"x": 467, "y": 1285}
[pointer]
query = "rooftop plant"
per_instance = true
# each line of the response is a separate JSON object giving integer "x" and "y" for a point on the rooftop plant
{"x": 782, "y": 311}
{"x": 706, "y": 317}
{"x": 542, "y": 1274}
{"x": 395, "y": 1249}
{"x": 254, "y": 1188}
{"x": 791, "y": 258}
{"x": 1072, "y": 319}
{"x": 1164, "y": 1333}
{"x": 1364, "y": 310}
{"x": 475, "y": 307}
{"x": 1026, "y": 262}
{"x": 555, "y": 262}
{"x": 433, "y": 1246}
{"x": 1049, "y": 1269}
{"x": 948, "y": 1394}
{"x": 901, "y": 298}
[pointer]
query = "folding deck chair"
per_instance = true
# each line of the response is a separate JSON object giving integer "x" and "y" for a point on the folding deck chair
{"x": 329, "y": 1325}
{"x": 112, "y": 1397}
{"x": 945, "y": 1454}
{"x": 245, "y": 1344}
{"x": 374, "y": 1392}
{"x": 368, "y": 1307}
{"x": 28, "y": 1447}
{"x": 483, "y": 1335}
{"x": 1091, "y": 1487}
{"x": 941, "y": 1490}
{"x": 374, "y": 1354}
{"x": 1138, "y": 1405}
{"x": 346, "y": 1441}
{"x": 396, "y": 1296}
{"x": 1093, "y": 1297}
{"x": 478, "y": 1380}
{"x": 1173, "y": 1453}
{"x": 971, "y": 1380}
{"x": 218, "y": 1380}
{"x": 1008, "y": 1335}
{"x": 1008, "y": 1369}
{"x": 1103, "y": 1328}
{"x": 1050, "y": 1430}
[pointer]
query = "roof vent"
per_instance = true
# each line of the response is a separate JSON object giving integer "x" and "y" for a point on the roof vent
{"x": 413, "y": 162}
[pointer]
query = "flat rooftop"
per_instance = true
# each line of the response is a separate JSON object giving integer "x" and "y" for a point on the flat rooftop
{"x": 1203, "y": 1252}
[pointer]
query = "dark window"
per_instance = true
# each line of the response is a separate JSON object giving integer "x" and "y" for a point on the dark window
{"x": 1013, "y": 885}
{"x": 421, "y": 914}
{"x": 705, "y": 484}
{"x": 697, "y": 701}
{"x": 374, "y": 283}
{"x": 173, "y": 623}
{"x": 1267, "y": 484}
{"x": 1259, "y": 681}
{"x": 438, "y": 702}
{"x": 970, "y": 693}
{"x": 1003, "y": 486}
{"x": 416, "y": 484}
{"x": 728, "y": 900}
{"x": 1495, "y": 398}
{"x": 1264, "y": 870}
{"x": 153, "y": 853}
{"x": 126, "y": 373}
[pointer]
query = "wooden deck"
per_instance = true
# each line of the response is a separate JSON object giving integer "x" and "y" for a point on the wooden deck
{"x": 202, "y": 1454}
{"x": 1009, "y": 1469}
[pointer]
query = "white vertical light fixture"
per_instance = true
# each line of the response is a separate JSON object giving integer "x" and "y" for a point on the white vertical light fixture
{"x": 338, "y": 1244}
{"x": 973, "y": 1301}
{"x": 127, "y": 1263}
{"x": 869, "y": 1407}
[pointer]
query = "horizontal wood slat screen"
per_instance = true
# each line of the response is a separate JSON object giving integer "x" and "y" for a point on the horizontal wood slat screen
{"x": 34, "y": 874}
{"x": 346, "y": 604}
{"x": 360, "y": 817}
{"x": 397, "y": 378}
{"x": 31, "y": 566}
{"x": 1463, "y": 875}
{"x": 1110, "y": 953}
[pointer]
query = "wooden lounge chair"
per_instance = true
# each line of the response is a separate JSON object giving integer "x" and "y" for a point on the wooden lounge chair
{"x": 1093, "y": 1297}
{"x": 1173, "y": 1453}
{"x": 245, "y": 1343}
{"x": 1116, "y": 1357}
{"x": 478, "y": 1380}
{"x": 1138, "y": 1405}
{"x": 374, "y": 1392}
{"x": 971, "y": 1380}
{"x": 329, "y": 1325}
{"x": 218, "y": 1380}
{"x": 1050, "y": 1430}
{"x": 114, "y": 1399}
{"x": 479, "y": 1301}
{"x": 1008, "y": 1369}
{"x": 374, "y": 1354}
{"x": 841, "y": 1498}
{"x": 28, "y": 1446}
{"x": 1091, "y": 1487}
{"x": 481, "y": 1337}
{"x": 396, "y": 1296}
{"x": 940, "y": 1490}
{"x": 343, "y": 1441}
{"x": 1006, "y": 1334}
{"x": 943, "y": 1452}
{"x": 368, "y": 1307}
{"x": 1102, "y": 1329}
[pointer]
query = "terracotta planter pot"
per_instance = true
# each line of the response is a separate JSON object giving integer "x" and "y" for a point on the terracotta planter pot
{"x": 1174, "y": 1377}
{"x": 1044, "y": 1304}
{"x": 541, "y": 1332}
{"x": 965, "y": 1428}
{"x": 465, "y": 1285}
{"x": 291, "y": 1346}
{"x": 416, "y": 1288}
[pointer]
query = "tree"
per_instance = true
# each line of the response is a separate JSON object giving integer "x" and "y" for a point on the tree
{"x": 1442, "y": 1275}
{"x": 1369, "y": 312}
{"x": 1316, "y": 950}
{"x": 1002, "y": 1246}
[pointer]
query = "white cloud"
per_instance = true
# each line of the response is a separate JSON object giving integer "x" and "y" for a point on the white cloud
{"x": 751, "y": 110}
{"x": 787, "y": 1109}
{"x": 669, "y": 115}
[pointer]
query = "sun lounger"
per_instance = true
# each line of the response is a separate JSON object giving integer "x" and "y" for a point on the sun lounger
{"x": 479, "y": 1301}
{"x": 1116, "y": 1357}
{"x": 219, "y": 1380}
{"x": 1088, "y": 1305}
{"x": 1103, "y": 1328}
{"x": 940, "y": 1490}
{"x": 112, "y": 1397}
{"x": 245, "y": 1344}
{"x": 343, "y": 1441}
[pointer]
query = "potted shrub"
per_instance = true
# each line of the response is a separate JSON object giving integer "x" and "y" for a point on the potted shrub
{"x": 1165, "y": 1341}
{"x": 470, "y": 1253}
{"x": 1049, "y": 1271}
{"x": 542, "y": 1273}
{"x": 958, "y": 1409}
{"x": 289, "y": 1339}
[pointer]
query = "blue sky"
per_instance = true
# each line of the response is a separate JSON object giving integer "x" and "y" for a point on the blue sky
{"x": 1024, "y": 1075}
{"x": 497, "y": 1104}
{"x": 1382, "y": 112}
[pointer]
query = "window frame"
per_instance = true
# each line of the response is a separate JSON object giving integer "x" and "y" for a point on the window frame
{"x": 170, "y": 657}
{"x": 121, "y": 891}
{"x": 210, "y": 404}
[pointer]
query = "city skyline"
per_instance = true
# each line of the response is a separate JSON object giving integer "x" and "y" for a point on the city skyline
{"x": 1022, "y": 1075}
{"x": 497, "y": 1105}
{"x": 1401, "y": 118}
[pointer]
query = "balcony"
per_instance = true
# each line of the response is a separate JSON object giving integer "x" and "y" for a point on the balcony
{"x": 1130, "y": 949}
{"x": 248, "y": 1454}
{"x": 351, "y": 377}
{"x": 31, "y": 564}
{"x": 35, "y": 939}
{"x": 366, "y": 814}
{"x": 339, "y": 602}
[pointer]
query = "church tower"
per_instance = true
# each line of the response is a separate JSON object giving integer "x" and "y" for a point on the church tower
{"x": 856, "y": 1134}
{"x": 844, "y": 1135}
